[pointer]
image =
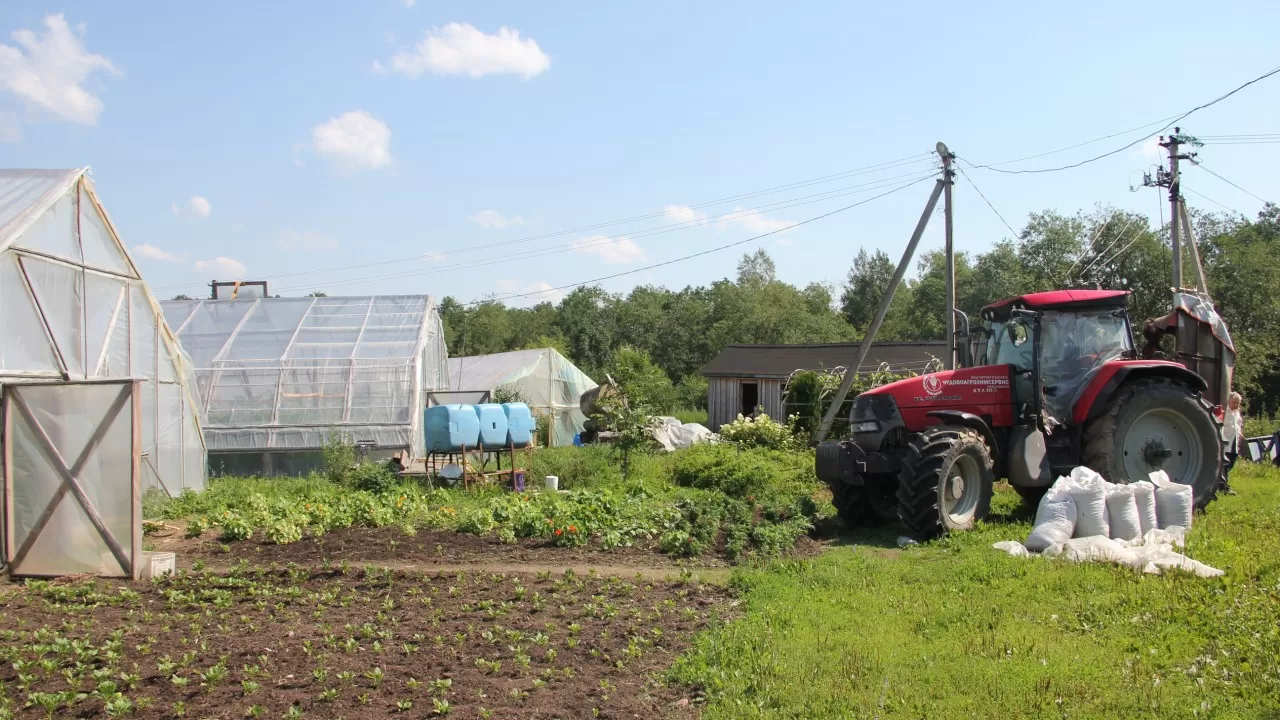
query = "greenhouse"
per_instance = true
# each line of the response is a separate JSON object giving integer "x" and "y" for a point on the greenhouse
{"x": 275, "y": 376}
{"x": 543, "y": 378}
{"x": 98, "y": 400}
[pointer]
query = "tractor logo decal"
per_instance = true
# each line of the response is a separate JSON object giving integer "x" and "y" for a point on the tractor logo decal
{"x": 933, "y": 384}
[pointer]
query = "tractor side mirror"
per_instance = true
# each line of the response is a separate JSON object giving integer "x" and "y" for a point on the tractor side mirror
{"x": 1018, "y": 334}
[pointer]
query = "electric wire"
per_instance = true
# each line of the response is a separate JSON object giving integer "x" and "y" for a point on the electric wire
{"x": 1206, "y": 197}
{"x": 1122, "y": 148}
{"x": 718, "y": 248}
{"x": 1201, "y": 165}
{"x": 1119, "y": 236}
{"x": 917, "y": 159}
{"x": 988, "y": 202}
{"x": 579, "y": 246}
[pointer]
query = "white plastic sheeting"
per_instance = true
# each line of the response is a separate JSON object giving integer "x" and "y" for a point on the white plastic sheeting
{"x": 74, "y": 307}
{"x": 547, "y": 381}
{"x": 279, "y": 373}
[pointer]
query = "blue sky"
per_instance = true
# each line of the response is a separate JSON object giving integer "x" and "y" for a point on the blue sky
{"x": 281, "y": 139}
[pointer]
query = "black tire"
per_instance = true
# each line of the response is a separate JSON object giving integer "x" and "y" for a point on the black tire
{"x": 927, "y": 481}
{"x": 1183, "y": 424}
{"x": 851, "y": 505}
{"x": 881, "y": 492}
{"x": 1031, "y": 495}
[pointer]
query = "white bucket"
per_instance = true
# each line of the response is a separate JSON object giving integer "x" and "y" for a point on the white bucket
{"x": 553, "y": 483}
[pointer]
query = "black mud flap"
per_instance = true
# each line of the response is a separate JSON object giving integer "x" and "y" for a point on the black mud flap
{"x": 840, "y": 461}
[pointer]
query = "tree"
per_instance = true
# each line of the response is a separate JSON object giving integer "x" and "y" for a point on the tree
{"x": 587, "y": 321}
{"x": 317, "y": 295}
{"x": 644, "y": 383}
{"x": 756, "y": 269}
{"x": 182, "y": 297}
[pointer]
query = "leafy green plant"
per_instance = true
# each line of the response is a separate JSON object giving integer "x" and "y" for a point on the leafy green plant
{"x": 763, "y": 432}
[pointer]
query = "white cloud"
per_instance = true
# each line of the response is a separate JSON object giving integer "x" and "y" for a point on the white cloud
{"x": 293, "y": 240}
{"x": 223, "y": 267}
{"x": 378, "y": 69}
{"x": 530, "y": 294}
{"x": 460, "y": 49}
{"x": 613, "y": 251}
{"x": 683, "y": 213}
{"x": 434, "y": 257}
{"x": 10, "y": 130}
{"x": 200, "y": 206}
{"x": 408, "y": 3}
{"x": 494, "y": 220}
{"x": 1150, "y": 149}
{"x": 46, "y": 71}
{"x": 754, "y": 221}
{"x": 356, "y": 139}
{"x": 174, "y": 209}
{"x": 151, "y": 252}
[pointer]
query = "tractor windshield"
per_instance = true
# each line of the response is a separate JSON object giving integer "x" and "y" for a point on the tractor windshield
{"x": 1073, "y": 345}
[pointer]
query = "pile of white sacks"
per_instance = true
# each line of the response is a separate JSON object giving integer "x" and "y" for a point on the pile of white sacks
{"x": 1138, "y": 525}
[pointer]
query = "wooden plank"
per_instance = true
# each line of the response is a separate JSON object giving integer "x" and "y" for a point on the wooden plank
{"x": 135, "y": 457}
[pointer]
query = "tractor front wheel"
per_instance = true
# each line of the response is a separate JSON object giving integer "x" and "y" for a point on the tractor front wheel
{"x": 945, "y": 483}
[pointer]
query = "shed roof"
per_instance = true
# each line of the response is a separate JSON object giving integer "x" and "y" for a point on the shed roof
{"x": 779, "y": 361}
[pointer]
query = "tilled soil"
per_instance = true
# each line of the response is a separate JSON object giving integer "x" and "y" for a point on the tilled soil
{"x": 353, "y": 644}
{"x": 390, "y": 546}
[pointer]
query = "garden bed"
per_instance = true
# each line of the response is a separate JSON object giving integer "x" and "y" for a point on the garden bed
{"x": 353, "y": 644}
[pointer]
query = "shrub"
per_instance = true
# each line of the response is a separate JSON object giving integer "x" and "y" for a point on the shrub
{"x": 508, "y": 394}
{"x": 339, "y": 455}
{"x": 371, "y": 477}
{"x": 763, "y": 432}
{"x": 235, "y": 527}
{"x": 645, "y": 384}
{"x": 746, "y": 472}
{"x": 691, "y": 392}
{"x": 196, "y": 526}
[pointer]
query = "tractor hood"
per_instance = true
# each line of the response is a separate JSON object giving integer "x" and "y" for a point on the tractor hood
{"x": 950, "y": 388}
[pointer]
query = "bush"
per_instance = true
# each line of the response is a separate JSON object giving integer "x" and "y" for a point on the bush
{"x": 691, "y": 392}
{"x": 371, "y": 477}
{"x": 508, "y": 394}
{"x": 763, "y": 432}
{"x": 339, "y": 454}
{"x": 644, "y": 384}
{"x": 745, "y": 473}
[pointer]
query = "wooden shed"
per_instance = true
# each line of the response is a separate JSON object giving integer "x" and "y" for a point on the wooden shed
{"x": 742, "y": 377}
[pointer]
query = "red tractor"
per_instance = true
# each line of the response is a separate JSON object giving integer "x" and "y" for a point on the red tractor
{"x": 1057, "y": 382}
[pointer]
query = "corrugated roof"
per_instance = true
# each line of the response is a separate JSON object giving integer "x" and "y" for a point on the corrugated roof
{"x": 779, "y": 361}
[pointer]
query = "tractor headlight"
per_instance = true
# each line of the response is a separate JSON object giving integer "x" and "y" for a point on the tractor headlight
{"x": 866, "y": 426}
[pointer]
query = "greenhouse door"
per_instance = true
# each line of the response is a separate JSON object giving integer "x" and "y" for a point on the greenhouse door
{"x": 72, "y": 502}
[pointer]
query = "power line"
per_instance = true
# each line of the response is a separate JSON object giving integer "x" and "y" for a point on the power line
{"x": 1168, "y": 125}
{"x": 587, "y": 245}
{"x": 1120, "y": 236}
{"x": 988, "y": 202}
{"x": 1201, "y": 165}
{"x": 699, "y": 254}
{"x": 1206, "y": 197}
{"x": 869, "y": 169}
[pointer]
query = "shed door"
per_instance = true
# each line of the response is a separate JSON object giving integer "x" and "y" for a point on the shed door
{"x": 71, "y": 497}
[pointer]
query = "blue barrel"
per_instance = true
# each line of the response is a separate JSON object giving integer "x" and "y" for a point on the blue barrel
{"x": 493, "y": 425}
{"x": 520, "y": 424}
{"x": 449, "y": 428}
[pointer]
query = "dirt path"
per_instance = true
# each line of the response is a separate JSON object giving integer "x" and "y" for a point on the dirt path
{"x": 715, "y": 575}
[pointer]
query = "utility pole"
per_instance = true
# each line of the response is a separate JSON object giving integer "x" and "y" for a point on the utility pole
{"x": 1171, "y": 179}
{"x": 949, "y": 179}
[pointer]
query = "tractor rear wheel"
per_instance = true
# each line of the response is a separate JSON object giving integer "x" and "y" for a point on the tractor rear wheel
{"x": 945, "y": 483}
{"x": 1157, "y": 424}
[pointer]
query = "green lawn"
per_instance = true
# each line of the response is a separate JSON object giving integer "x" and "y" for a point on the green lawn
{"x": 955, "y": 629}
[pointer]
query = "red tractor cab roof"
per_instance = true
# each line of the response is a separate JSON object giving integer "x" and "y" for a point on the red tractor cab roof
{"x": 1060, "y": 300}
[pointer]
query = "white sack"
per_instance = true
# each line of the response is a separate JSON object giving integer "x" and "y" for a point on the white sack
{"x": 1144, "y": 494}
{"x": 1088, "y": 490}
{"x": 1174, "y": 501}
{"x": 1055, "y": 521}
{"x": 1097, "y": 548}
{"x": 1122, "y": 513}
{"x": 1013, "y": 547}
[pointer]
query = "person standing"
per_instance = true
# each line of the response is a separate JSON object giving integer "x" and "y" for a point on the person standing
{"x": 1232, "y": 429}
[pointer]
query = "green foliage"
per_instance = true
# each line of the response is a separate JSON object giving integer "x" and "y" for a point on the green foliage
{"x": 809, "y": 393}
{"x": 371, "y": 476}
{"x": 691, "y": 393}
{"x": 746, "y": 472}
{"x": 687, "y": 416}
{"x": 339, "y": 453}
{"x": 763, "y": 432}
{"x": 1258, "y": 425}
{"x": 644, "y": 383}
{"x": 508, "y": 394}
{"x": 955, "y": 629}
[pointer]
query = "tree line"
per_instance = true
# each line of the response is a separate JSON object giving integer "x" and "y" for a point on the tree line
{"x": 667, "y": 335}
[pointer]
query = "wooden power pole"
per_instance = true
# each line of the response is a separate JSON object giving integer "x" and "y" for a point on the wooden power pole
{"x": 949, "y": 179}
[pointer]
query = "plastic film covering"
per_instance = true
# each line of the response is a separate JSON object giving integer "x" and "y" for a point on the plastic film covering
{"x": 280, "y": 373}
{"x": 72, "y": 454}
{"x": 548, "y": 382}
{"x": 1074, "y": 346}
{"x": 73, "y": 307}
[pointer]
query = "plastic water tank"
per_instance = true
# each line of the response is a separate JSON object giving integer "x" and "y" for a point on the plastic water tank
{"x": 449, "y": 428}
{"x": 520, "y": 424}
{"x": 493, "y": 425}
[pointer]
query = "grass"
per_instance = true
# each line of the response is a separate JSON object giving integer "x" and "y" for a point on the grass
{"x": 956, "y": 629}
{"x": 686, "y": 415}
{"x": 1258, "y": 425}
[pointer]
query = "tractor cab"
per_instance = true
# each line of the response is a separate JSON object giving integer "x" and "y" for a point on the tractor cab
{"x": 1056, "y": 342}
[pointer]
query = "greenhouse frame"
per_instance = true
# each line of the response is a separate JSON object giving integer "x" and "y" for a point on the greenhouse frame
{"x": 98, "y": 398}
{"x": 275, "y": 376}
